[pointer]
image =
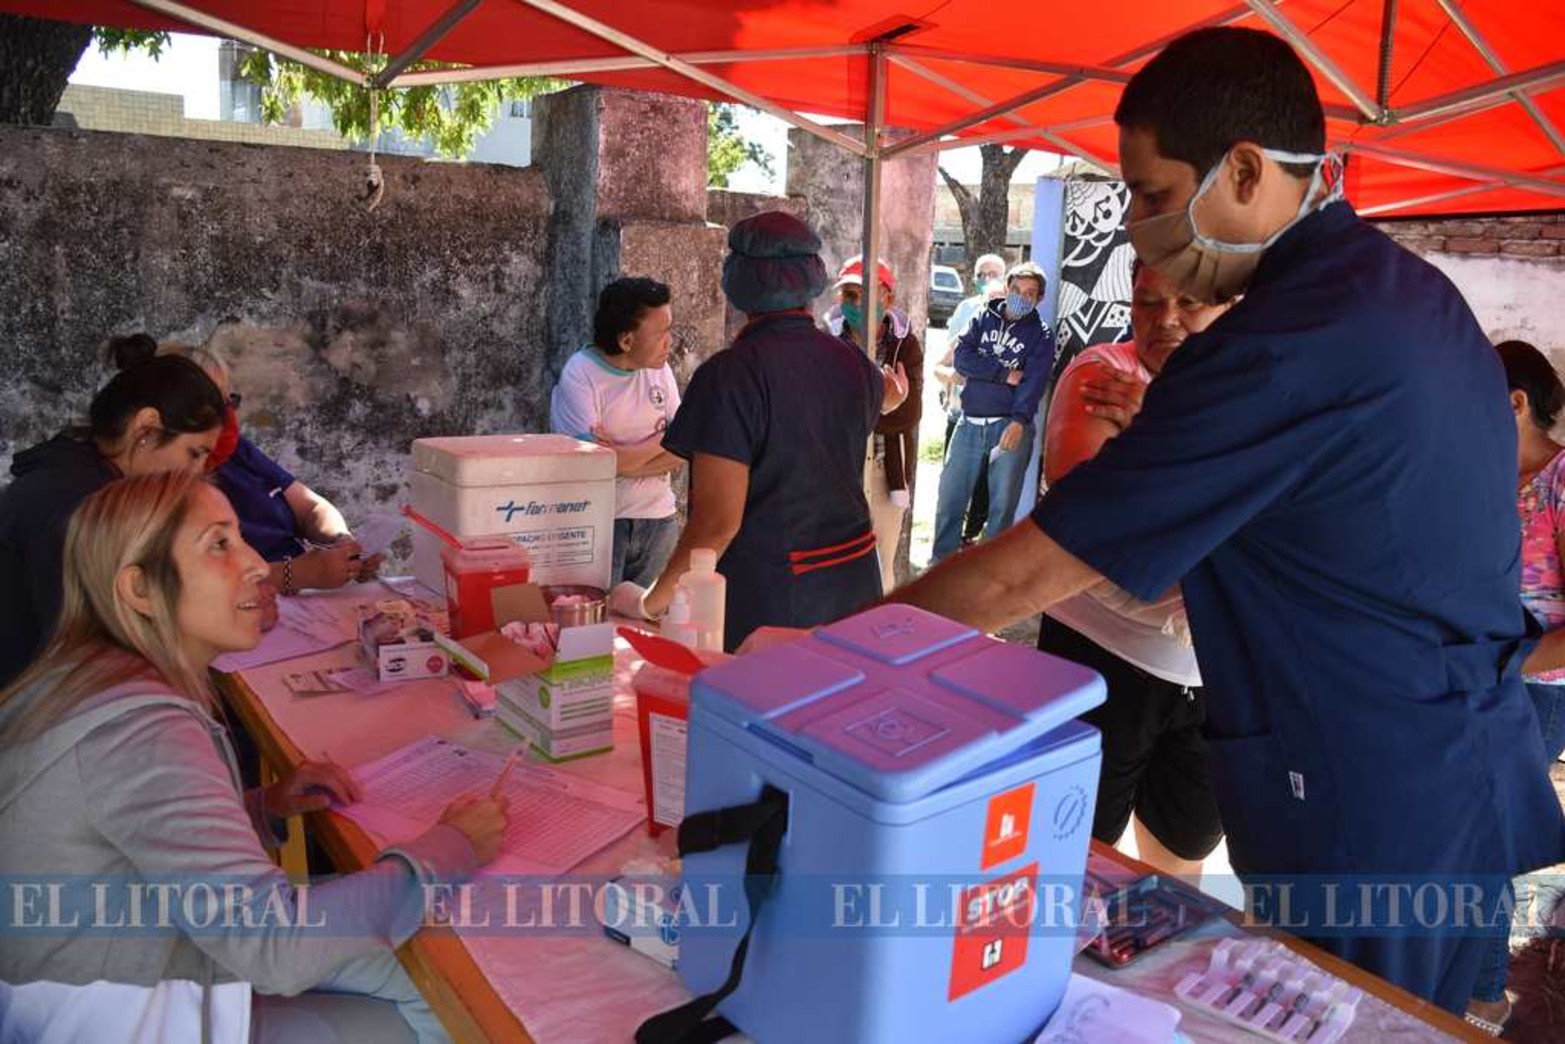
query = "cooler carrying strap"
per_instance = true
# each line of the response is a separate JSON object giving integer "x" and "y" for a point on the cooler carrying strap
{"x": 762, "y": 823}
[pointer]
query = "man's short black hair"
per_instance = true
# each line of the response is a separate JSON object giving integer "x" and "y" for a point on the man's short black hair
{"x": 1213, "y": 88}
{"x": 621, "y": 305}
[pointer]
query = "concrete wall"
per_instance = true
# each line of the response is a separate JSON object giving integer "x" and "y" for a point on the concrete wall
{"x": 1511, "y": 271}
{"x": 149, "y": 112}
{"x": 356, "y": 332}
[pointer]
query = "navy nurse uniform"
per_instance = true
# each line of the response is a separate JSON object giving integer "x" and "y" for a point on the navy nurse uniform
{"x": 255, "y": 484}
{"x": 1330, "y": 471}
{"x": 797, "y": 407}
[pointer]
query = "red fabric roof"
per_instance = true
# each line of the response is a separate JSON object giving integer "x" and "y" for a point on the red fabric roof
{"x": 1431, "y": 57}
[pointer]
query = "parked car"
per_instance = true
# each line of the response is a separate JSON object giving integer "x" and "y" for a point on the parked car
{"x": 945, "y": 293}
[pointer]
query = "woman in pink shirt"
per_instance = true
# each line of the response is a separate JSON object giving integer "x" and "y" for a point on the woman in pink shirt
{"x": 1537, "y": 397}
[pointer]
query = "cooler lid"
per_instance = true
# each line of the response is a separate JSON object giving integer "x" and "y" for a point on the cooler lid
{"x": 506, "y": 460}
{"x": 898, "y": 702}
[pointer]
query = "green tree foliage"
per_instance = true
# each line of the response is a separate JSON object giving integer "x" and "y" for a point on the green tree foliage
{"x": 452, "y": 116}
{"x": 124, "y": 41}
{"x": 727, "y": 149}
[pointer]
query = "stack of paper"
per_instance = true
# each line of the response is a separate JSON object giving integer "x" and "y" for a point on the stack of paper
{"x": 556, "y": 820}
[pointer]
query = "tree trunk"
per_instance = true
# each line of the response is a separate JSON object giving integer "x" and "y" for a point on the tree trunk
{"x": 37, "y": 57}
{"x": 985, "y": 217}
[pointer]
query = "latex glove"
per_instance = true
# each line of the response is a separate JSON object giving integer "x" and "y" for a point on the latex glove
{"x": 901, "y": 498}
{"x": 629, "y": 599}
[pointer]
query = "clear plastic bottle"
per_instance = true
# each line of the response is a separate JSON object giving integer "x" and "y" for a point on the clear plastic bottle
{"x": 676, "y": 622}
{"x": 708, "y": 591}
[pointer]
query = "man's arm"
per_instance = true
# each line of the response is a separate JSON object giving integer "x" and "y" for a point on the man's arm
{"x": 718, "y": 488}
{"x": 1018, "y": 574}
{"x": 1036, "y": 367}
{"x": 974, "y": 364}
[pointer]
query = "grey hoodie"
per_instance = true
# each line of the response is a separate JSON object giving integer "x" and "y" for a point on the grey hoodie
{"x": 140, "y": 786}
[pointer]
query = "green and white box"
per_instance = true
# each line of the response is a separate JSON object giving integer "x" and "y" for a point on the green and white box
{"x": 592, "y": 737}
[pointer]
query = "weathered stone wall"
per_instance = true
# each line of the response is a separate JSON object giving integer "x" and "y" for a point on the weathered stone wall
{"x": 627, "y": 171}
{"x": 830, "y": 181}
{"x": 356, "y": 332}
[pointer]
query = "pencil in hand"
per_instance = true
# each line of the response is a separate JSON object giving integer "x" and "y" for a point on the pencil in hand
{"x": 505, "y": 773}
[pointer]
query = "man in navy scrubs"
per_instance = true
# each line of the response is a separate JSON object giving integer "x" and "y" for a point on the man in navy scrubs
{"x": 1329, "y": 472}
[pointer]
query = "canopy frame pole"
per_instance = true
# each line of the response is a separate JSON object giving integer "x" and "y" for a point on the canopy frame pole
{"x": 1440, "y": 197}
{"x": 1388, "y": 43}
{"x": 1002, "y": 108}
{"x": 903, "y": 56}
{"x": 1458, "y": 17}
{"x": 1070, "y": 70}
{"x": 874, "y": 157}
{"x": 1284, "y": 27}
{"x": 1450, "y": 106}
{"x": 569, "y": 66}
{"x": 427, "y": 39}
{"x": 675, "y": 64}
{"x": 234, "y": 31}
{"x": 1453, "y": 168}
{"x": 1023, "y": 129}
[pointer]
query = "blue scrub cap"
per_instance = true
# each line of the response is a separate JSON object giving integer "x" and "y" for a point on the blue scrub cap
{"x": 773, "y": 264}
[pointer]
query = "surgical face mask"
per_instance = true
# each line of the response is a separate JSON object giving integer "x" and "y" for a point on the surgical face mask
{"x": 1017, "y": 306}
{"x": 1211, "y": 270}
{"x": 853, "y": 315}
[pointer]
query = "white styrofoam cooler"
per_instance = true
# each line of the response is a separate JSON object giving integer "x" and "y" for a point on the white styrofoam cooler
{"x": 553, "y": 494}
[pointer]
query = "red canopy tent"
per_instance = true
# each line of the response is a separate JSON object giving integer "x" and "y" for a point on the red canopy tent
{"x": 1444, "y": 106}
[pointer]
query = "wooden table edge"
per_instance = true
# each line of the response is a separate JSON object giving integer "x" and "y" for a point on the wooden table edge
{"x": 436, "y": 959}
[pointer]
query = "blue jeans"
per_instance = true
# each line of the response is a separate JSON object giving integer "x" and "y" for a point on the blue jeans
{"x": 642, "y": 547}
{"x": 967, "y": 457}
{"x": 1549, "y": 702}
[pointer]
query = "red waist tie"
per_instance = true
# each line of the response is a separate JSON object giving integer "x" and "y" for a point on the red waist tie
{"x": 801, "y": 562}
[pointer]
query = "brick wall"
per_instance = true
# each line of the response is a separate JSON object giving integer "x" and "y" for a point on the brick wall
{"x": 1532, "y": 236}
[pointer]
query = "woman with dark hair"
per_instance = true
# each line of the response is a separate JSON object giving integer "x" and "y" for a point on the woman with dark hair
{"x": 620, "y": 391}
{"x": 1537, "y": 397}
{"x": 159, "y": 413}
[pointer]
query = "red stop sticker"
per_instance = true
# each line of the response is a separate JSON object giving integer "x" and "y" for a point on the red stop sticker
{"x": 994, "y": 922}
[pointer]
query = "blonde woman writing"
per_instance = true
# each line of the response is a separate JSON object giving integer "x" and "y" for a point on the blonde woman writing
{"x": 115, "y": 771}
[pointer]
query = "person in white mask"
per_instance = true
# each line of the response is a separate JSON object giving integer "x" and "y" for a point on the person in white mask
{"x": 1328, "y": 473}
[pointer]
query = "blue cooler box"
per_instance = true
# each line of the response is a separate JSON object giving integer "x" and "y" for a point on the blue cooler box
{"x": 940, "y": 799}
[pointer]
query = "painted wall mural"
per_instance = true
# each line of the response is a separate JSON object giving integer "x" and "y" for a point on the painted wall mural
{"x": 1095, "y": 255}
